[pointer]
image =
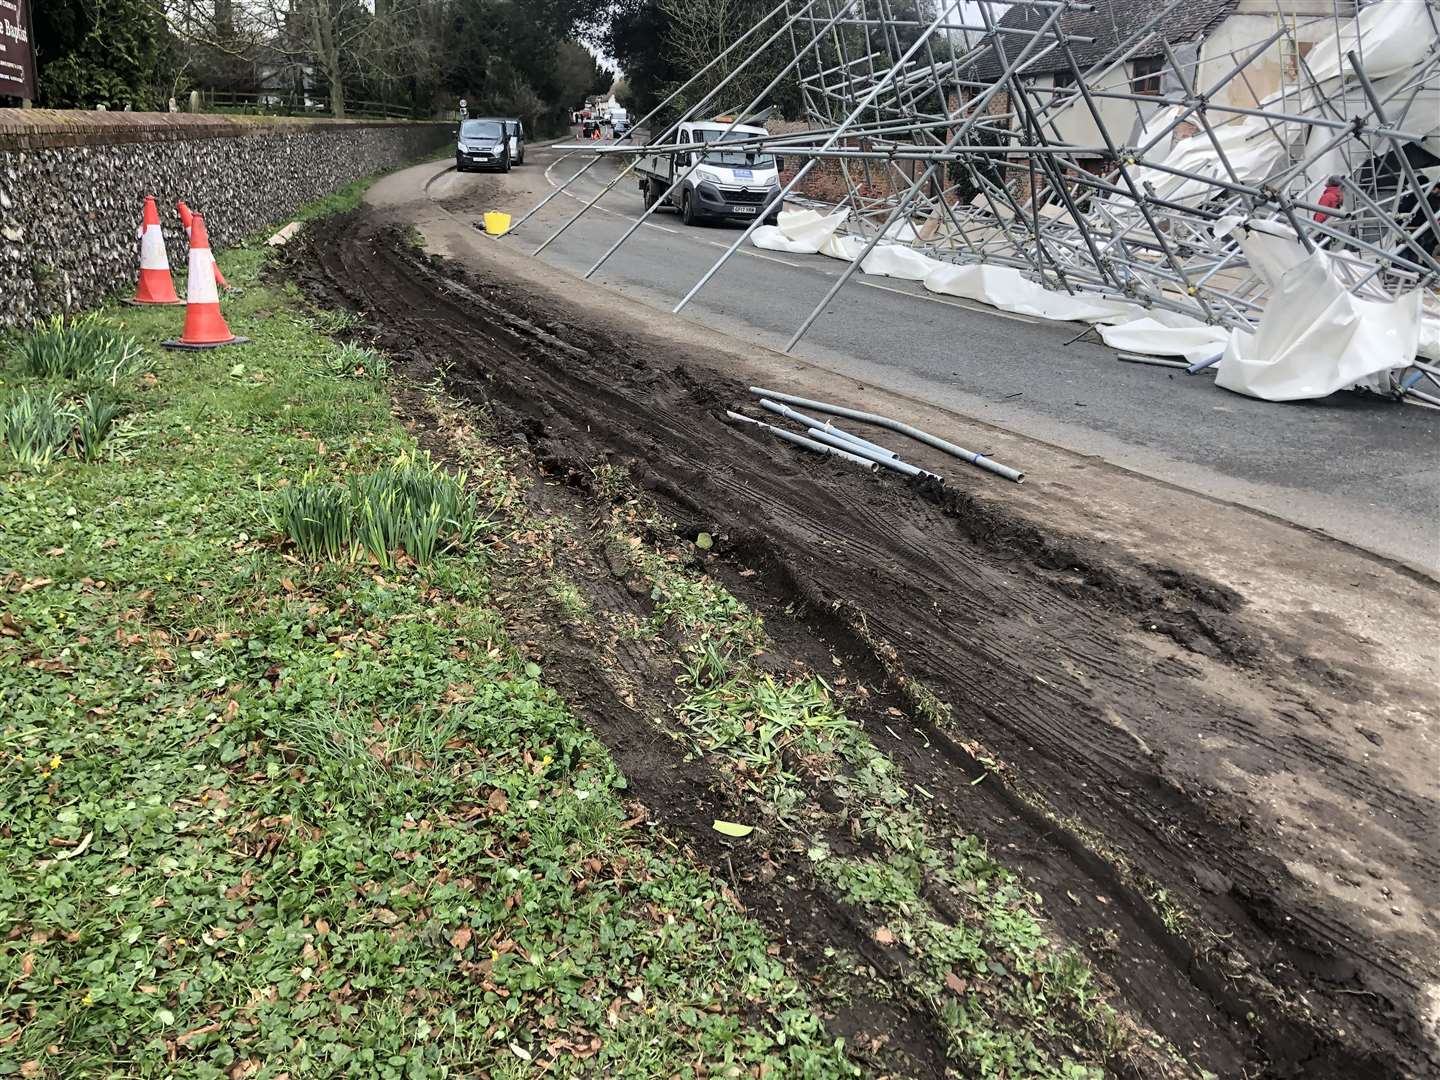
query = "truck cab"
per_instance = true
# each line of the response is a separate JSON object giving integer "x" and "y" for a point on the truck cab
{"x": 725, "y": 184}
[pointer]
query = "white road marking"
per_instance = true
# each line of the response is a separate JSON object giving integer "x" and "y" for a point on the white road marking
{"x": 767, "y": 258}
{"x": 980, "y": 308}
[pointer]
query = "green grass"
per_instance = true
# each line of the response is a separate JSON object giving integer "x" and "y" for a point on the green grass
{"x": 86, "y": 350}
{"x": 1011, "y": 1002}
{"x": 269, "y": 813}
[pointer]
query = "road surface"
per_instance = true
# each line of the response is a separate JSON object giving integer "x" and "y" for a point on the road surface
{"x": 1359, "y": 468}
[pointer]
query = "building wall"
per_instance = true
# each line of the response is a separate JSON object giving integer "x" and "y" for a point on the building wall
{"x": 1076, "y": 124}
{"x": 1274, "y": 70}
{"x": 73, "y": 184}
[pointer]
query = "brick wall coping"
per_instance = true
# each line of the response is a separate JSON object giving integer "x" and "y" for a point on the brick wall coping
{"x": 34, "y": 129}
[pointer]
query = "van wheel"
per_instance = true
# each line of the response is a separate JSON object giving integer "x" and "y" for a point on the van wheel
{"x": 687, "y": 209}
{"x": 652, "y": 193}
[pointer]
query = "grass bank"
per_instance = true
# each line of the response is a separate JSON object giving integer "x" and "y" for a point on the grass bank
{"x": 270, "y": 813}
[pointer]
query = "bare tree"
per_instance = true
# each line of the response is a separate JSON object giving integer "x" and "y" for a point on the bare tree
{"x": 327, "y": 39}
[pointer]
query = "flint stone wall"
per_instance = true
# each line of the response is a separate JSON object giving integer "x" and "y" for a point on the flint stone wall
{"x": 73, "y": 185}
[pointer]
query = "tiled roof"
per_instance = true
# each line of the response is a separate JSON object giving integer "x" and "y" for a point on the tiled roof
{"x": 1110, "y": 22}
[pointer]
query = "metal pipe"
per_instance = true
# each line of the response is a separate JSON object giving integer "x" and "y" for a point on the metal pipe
{"x": 674, "y": 127}
{"x": 981, "y": 460}
{"x": 809, "y": 444}
{"x": 1195, "y": 369}
{"x": 825, "y": 425}
{"x": 679, "y": 181}
{"x": 652, "y": 113}
{"x": 854, "y": 114}
{"x": 1135, "y": 358}
{"x": 894, "y": 464}
{"x": 1011, "y": 66}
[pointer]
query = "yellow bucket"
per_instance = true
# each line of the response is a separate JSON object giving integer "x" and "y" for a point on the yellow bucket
{"x": 496, "y": 223}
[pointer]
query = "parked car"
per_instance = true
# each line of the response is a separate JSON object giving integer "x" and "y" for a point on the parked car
{"x": 621, "y": 125}
{"x": 515, "y": 130}
{"x": 482, "y": 144}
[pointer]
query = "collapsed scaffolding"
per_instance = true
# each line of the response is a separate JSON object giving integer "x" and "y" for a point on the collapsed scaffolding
{"x": 1085, "y": 162}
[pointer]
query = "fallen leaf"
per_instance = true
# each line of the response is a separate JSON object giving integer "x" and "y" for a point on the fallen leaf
{"x": 955, "y": 983}
{"x": 731, "y": 828}
{"x": 78, "y": 849}
{"x": 520, "y": 1052}
{"x": 704, "y": 541}
{"x": 461, "y": 937}
{"x": 30, "y": 1068}
{"x": 322, "y": 927}
{"x": 884, "y": 936}
{"x": 195, "y": 1033}
{"x": 498, "y": 801}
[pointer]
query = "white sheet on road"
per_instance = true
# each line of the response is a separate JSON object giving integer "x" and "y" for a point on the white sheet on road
{"x": 895, "y": 261}
{"x": 1314, "y": 337}
{"x": 1008, "y": 289}
{"x": 801, "y": 232}
{"x": 1150, "y": 336}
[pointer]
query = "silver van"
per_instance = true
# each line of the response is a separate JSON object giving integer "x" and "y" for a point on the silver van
{"x": 515, "y": 129}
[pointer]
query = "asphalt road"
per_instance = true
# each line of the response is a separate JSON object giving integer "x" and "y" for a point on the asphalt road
{"x": 1363, "y": 470}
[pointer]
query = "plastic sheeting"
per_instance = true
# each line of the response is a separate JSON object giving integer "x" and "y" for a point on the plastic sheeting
{"x": 1250, "y": 147}
{"x": 1390, "y": 37}
{"x": 803, "y": 232}
{"x": 1006, "y": 288}
{"x": 892, "y": 260}
{"x": 1314, "y": 337}
{"x": 1153, "y": 337}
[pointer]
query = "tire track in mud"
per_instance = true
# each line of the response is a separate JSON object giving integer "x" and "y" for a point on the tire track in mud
{"x": 1030, "y": 642}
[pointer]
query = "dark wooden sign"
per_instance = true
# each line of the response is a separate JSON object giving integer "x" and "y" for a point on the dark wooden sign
{"x": 17, "y": 57}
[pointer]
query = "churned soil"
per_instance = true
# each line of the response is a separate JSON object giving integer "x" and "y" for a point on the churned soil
{"x": 1084, "y": 713}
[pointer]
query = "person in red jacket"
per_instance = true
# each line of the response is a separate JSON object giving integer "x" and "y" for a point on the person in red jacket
{"x": 1333, "y": 197}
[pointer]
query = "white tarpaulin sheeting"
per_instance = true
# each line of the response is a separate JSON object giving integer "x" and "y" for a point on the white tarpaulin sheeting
{"x": 804, "y": 232}
{"x": 1314, "y": 337}
{"x": 1250, "y": 147}
{"x": 893, "y": 260}
{"x": 1390, "y": 37}
{"x": 1150, "y": 336}
{"x": 1006, "y": 288}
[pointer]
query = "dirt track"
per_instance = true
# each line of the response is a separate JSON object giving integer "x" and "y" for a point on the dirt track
{"x": 1109, "y": 706}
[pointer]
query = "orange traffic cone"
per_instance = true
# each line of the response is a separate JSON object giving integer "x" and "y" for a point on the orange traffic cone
{"x": 155, "y": 286}
{"x": 204, "y": 325}
{"x": 185, "y": 216}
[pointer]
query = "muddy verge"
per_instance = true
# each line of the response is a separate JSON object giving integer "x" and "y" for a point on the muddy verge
{"x": 1075, "y": 685}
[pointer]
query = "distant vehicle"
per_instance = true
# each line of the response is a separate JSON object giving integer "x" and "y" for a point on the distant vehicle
{"x": 621, "y": 126}
{"x": 482, "y": 144}
{"x": 724, "y": 184}
{"x": 515, "y": 129}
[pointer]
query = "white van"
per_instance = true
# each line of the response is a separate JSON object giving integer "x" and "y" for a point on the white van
{"x": 726, "y": 184}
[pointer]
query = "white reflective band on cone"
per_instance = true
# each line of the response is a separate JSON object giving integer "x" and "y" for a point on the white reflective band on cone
{"x": 152, "y": 249}
{"x": 200, "y": 288}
